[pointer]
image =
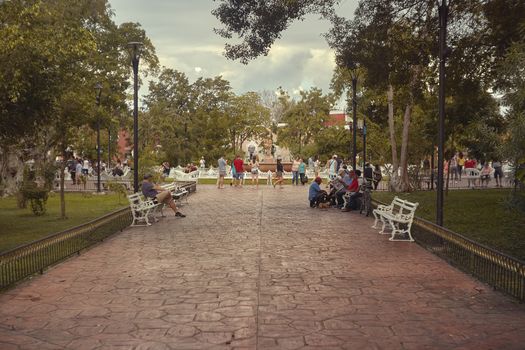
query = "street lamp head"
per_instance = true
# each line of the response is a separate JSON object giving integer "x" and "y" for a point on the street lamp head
{"x": 98, "y": 90}
{"x": 135, "y": 47}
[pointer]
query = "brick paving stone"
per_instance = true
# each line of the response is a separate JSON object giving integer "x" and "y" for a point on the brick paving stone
{"x": 257, "y": 269}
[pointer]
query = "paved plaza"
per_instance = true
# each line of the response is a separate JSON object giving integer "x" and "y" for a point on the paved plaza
{"x": 257, "y": 269}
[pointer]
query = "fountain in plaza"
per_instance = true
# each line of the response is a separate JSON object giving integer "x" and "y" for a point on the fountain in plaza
{"x": 269, "y": 162}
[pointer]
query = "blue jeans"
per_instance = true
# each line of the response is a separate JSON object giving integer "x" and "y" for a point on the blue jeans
{"x": 295, "y": 178}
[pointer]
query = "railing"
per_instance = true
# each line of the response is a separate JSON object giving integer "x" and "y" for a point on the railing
{"x": 499, "y": 270}
{"x": 34, "y": 257}
{"x": 90, "y": 185}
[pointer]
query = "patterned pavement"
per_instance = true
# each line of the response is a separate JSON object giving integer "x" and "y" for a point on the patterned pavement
{"x": 257, "y": 269}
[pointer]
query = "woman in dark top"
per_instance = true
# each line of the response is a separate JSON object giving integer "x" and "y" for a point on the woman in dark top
{"x": 279, "y": 174}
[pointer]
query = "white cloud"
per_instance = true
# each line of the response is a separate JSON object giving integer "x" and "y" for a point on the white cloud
{"x": 182, "y": 32}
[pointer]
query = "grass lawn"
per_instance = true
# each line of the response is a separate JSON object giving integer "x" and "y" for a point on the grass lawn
{"x": 480, "y": 215}
{"x": 20, "y": 226}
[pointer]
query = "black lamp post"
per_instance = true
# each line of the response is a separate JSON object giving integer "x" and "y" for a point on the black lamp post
{"x": 109, "y": 148}
{"x": 354, "y": 119}
{"x": 98, "y": 89}
{"x": 443, "y": 15}
{"x": 372, "y": 107}
{"x": 135, "y": 57}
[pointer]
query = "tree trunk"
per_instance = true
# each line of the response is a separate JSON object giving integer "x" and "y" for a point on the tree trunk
{"x": 11, "y": 170}
{"x": 62, "y": 179}
{"x": 404, "y": 183}
{"x": 391, "y": 127}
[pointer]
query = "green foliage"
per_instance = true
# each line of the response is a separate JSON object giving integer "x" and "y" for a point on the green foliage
{"x": 29, "y": 191}
{"x": 260, "y": 23}
{"x": 203, "y": 118}
{"x": 37, "y": 197}
{"x": 304, "y": 120}
{"x": 118, "y": 188}
{"x": 48, "y": 172}
{"x": 149, "y": 162}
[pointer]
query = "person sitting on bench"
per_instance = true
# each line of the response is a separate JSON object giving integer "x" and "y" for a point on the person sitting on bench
{"x": 353, "y": 188}
{"x": 159, "y": 194}
{"x": 315, "y": 193}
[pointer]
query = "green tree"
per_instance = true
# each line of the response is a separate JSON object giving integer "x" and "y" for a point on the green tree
{"x": 304, "y": 120}
{"x": 55, "y": 52}
{"x": 248, "y": 119}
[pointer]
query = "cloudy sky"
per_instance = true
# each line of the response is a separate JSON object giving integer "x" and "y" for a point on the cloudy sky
{"x": 182, "y": 32}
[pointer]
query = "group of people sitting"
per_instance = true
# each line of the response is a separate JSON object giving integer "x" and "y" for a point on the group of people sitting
{"x": 346, "y": 183}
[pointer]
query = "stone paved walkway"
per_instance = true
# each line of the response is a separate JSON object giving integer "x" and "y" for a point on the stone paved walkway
{"x": 252, "y": 269}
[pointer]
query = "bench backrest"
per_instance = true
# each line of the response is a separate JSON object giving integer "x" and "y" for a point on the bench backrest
{"x": 472, "y": 172}
{"x": 135, "y": 200}
{"x": 401, "y": 206}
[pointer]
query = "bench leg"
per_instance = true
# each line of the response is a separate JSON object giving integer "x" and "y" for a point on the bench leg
{"x": 398, "y": 230}
{"x": 383, "y": 227}
{"x": 376, "y": 219}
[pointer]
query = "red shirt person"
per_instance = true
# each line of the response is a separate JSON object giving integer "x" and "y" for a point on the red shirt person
{"x": 239, "y": 169}
{"x": 470, "y": 164}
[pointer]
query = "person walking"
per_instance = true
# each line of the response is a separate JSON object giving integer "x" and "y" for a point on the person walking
{"x": 332, "y": 167}
{"x": 222, "y": 172}
{"x": 279, "y": 170}
{"x": 302, "y": 172}
{"x": 460, "y": 163}
{"x": 453, "y": 168}
{"x": 72, "y": 167}
{"x": 159, "y": 194}
{"x": 498, "y": 172}
{"x": 295, "y": 171}
{"x": 311, "y": 164}
{"x": 85, "y": 167}
{"x": 78, "y": 172}
{"x": 317, "y": 164}
{"x": 238, "y": 163}
{"x": 254, "y": 163}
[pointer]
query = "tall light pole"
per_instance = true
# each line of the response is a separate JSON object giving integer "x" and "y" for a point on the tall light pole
{"x": 98, "y": 89}
{"x": 354, "y": 120}
{"x": 135, "y": 57}
{"x": 443, "y": 15}
{"x": 372, "y": 106}
{"x": 109, "y": 147}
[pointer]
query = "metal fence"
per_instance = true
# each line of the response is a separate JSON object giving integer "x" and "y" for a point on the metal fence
{"x": 499, "y": 270}
{"x": 34, "y": 257}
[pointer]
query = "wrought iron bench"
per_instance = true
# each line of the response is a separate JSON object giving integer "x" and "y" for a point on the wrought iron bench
{"x": 398, "y": 217}
{"x": 473, "y": 176}
{"x": 178, "y": 193}
{"x": 142, "y": 209}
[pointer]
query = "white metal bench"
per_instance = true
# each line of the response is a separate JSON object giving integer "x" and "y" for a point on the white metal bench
{"x": 178, "y": 193}
{"x": 182, "y": 176}
{"x": 473, "y": 176}
{"x": 142, "y": 209}
{"x": 397, "y": 216}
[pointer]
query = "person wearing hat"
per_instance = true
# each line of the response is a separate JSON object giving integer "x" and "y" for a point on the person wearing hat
{"x": 315, "y": 193}
{"x": 159, "y": 194}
